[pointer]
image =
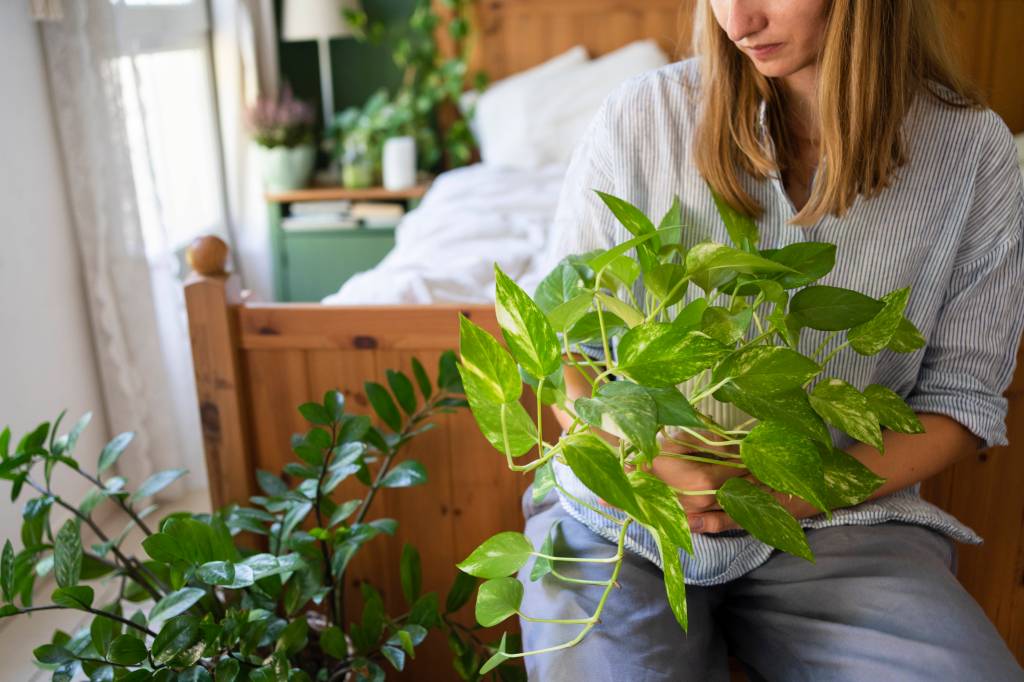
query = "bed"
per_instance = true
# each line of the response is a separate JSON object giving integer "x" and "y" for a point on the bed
{"x": 254, "y": 362}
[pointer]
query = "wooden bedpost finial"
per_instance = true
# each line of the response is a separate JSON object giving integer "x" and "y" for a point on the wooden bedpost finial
{"x": 207, "y": 255}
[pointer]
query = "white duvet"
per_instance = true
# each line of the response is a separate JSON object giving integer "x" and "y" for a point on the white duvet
{"x": 446, "y": 248}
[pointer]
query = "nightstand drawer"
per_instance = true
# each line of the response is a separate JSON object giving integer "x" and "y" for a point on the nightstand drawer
{"x": 317, "y": 263}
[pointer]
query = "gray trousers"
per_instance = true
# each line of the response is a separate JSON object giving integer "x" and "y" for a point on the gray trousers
{"x": 880, "y": 603}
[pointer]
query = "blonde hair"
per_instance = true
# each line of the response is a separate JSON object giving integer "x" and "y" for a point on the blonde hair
{"x": 877, "y": 56}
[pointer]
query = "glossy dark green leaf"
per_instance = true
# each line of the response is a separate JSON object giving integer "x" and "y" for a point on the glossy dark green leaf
{"x": 113, "y": 450}
{"x": 51, "y": 654}
{"x": 675, "y": 581}
{"x": 763, "y": 369}
{"x": 294, "y": 637}
{"x": 625, "y": 410}
{"x": 848, "y": 409}
{"x": 270, "y": 484}
{"x": 662, "y": 510}
{"x": 7, "y": 571}
{"x": 741, "y": 228}
{"x": 315, "y": 413}
{"x": 762, "y": 516}
{"x": 227, "y": 670}
{"x": 810, "y": 260}
{"x": 447, "y": 374}
{"x": 383, "y": 405}
{"x": 786, "y": 460}
{"x": 411, "y": 573}
{"x": 332, "y": 643}
{"x": 832, "y": 308}
{"x": 892, "y": 411}
{"x": 127, "y": 650}
{"x": 67, "y": 554}
{"x": 175, "y": 603}
{"x": 499, "y": 555}
{"x": 509, "y": 420}
{"x": 334, "y": 403}
{"x": 869, "y": 338}
{"x": 422, "y": 379}
{"x": 460, "y": 592}
{"x": 77, "y": 597}
{"x": 225, "y": 574}
{"x": 157, "y": 482}
{"x": 498, "y": 599}
{"x": 488, "y": 371}
{"x": 525, "y": 327}
{"x": 342, "y": 512}
{"x": 405, "y": 474}
{"x": 656, "y": 354}
{"x": 847, "y": 481}
{"x": 597, "y": 466}
{"x": 102, "y": 632}
{"x": 401, "y": 386}
{"x": 394, "y": 655}
{"x": 177, "y": 635}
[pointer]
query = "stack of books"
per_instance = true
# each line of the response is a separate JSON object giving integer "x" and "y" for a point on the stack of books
{"x": 341, "y": 215}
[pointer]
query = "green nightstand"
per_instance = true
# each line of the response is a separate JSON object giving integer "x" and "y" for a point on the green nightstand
{"x": 310, "y": 264}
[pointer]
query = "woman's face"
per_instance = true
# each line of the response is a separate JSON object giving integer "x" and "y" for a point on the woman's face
{"x": 781, "y": 37}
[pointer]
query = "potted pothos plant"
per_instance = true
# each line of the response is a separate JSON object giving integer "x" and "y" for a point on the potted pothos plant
{"x": 202, "y": 604}
{"x": 589, "y": 299}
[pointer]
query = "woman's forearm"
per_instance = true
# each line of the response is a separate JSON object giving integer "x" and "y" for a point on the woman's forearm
{"x": 911, "y": 458}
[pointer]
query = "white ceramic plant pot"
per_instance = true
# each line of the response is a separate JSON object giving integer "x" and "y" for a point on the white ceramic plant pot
{"x": 399, "y": 163}
{"x": 287, "y": 168}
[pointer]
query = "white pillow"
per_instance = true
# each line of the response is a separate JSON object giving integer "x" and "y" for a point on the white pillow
{"x": 501, "y": 117}
{"x": 545, "y": 121}
{"x": 561, "y": 112}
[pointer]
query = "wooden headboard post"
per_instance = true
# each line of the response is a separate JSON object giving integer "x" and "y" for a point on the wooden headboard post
{"x": 211, "y": 298}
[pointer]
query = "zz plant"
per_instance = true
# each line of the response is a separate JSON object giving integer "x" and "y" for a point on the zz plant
{"x": 202, "y": 604}
{"x": 659, "y": 343}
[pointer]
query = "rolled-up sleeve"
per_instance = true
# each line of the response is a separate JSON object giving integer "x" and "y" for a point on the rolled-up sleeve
{"x": 971, "y": 354}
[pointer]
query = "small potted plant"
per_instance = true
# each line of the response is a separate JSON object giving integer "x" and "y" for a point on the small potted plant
{"x": 283, "y": 129}
{"x": 248, "y": 593}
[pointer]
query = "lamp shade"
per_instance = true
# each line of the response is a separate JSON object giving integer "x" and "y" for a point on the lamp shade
{"x": 316, "y": 19}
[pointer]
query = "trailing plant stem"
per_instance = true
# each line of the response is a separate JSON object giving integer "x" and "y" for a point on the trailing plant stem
{"x": 596, "y": 618}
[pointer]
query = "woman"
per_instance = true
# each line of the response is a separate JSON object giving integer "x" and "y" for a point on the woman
{"x": 839, "y": 121}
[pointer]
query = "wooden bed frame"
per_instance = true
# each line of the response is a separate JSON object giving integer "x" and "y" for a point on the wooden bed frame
{"x": 255, "y": 363}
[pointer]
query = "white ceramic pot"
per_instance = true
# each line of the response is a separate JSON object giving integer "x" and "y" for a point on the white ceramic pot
{"x": 399, "y": 163}
{"x": 287, "y": 168}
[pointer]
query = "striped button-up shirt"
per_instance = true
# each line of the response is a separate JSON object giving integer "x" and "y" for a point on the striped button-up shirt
{"x": 949, "y": 226}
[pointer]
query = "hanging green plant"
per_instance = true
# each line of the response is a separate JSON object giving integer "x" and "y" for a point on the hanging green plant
{"x": 589, "y": 299}
{"x": 431, "y": 81}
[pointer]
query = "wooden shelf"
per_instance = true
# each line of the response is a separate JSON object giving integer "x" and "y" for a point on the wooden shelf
{"x": 336, "y": 193}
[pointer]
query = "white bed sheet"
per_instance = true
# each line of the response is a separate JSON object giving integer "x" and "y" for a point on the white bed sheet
{"x": 446, "y": 248}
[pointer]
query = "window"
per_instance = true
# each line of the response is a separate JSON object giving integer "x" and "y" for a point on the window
{"x": 171, "y": 120}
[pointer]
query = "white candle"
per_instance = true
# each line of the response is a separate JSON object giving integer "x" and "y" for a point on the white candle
{"x": 399, "y": 163}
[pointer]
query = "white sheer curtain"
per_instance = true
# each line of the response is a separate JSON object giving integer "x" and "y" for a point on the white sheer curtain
{"x": 126, "y": 235}
{"x": 245, "y": 63}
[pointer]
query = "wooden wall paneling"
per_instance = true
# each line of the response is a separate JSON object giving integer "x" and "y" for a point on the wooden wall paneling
{"x": 278, "y": 385}
{"x": 1006, "y": 93}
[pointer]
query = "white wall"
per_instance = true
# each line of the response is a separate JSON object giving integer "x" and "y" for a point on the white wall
{"x": 46, "y": 355}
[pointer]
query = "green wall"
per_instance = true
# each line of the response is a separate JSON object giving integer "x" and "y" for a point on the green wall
{"x": 358, "y": 69}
